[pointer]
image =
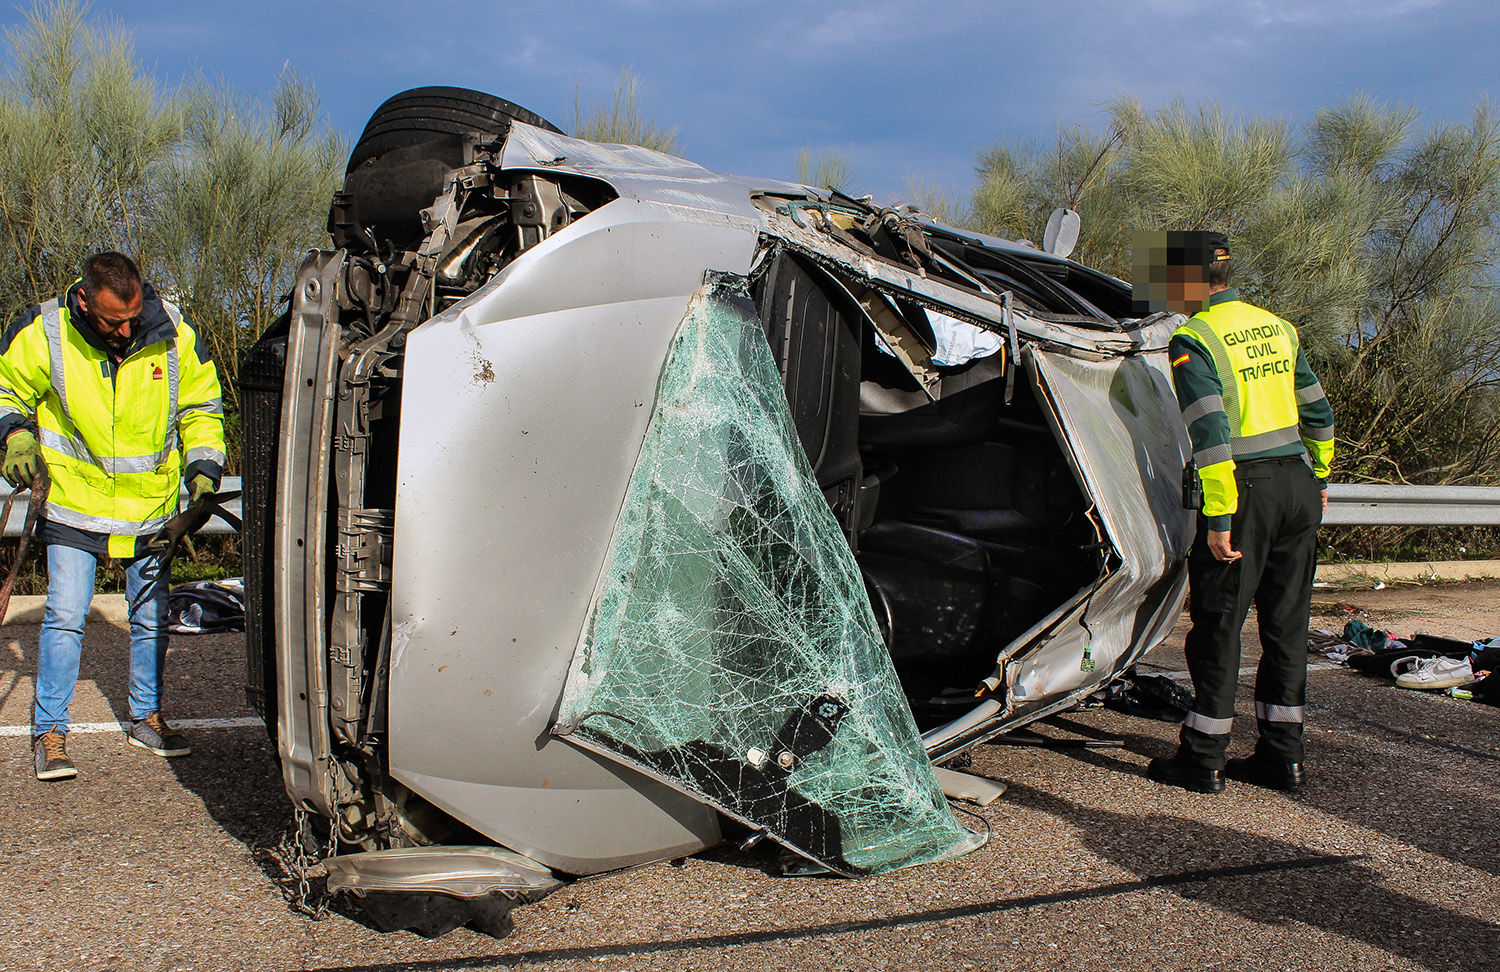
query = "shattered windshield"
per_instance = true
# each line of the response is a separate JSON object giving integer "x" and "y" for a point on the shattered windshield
{"x": 731, "y": 649}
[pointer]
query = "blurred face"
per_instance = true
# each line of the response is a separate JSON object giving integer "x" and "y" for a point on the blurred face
{"x": 115, "y": 319}
{"x": 1187, "y": 289}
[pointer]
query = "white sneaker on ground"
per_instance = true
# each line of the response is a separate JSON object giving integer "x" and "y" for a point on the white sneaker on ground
{"x": 1437, "y": 673}
{"x": 1405, "y": 663}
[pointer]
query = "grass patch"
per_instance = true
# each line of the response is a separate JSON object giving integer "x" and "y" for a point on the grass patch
{"x": 212, "y": 558}
{"x": 1393, "y": 544}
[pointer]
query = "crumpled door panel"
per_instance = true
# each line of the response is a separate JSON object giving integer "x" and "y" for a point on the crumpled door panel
{"x": 1118, "y": 418}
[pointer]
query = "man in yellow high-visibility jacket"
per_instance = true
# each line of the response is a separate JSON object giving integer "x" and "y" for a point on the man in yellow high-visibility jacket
{"x": 1262, "y": 436}
{"x": 110, "y": 389}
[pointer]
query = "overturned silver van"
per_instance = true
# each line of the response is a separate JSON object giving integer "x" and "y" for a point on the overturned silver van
{"x": 594, "y": 500}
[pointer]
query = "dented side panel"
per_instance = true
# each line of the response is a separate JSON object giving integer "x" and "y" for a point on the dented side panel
{"x": 1117, "y": 420}
{"x": 523, "y": 412}
{"x": 1127, "y": 442}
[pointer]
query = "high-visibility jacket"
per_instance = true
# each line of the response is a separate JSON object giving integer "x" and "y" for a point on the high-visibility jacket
{"x": 1246, "y": 393}
{"x": 117, "y": 431}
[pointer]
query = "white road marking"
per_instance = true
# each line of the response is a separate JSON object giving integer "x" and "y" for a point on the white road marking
{"x": 242, "y": 722}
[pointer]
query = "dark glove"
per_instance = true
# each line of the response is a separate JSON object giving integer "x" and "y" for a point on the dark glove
{"x": 23, "y": 458}
{"x": 198, "y": 487}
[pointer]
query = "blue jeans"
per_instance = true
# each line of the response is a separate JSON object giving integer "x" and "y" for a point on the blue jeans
{"x": 70, "y": 588}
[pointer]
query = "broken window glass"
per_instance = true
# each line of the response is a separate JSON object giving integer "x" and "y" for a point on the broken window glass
{"x": 731, "y": 649}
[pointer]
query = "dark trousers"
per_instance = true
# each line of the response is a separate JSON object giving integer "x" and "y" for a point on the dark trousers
{"x": 1276, "y": 529}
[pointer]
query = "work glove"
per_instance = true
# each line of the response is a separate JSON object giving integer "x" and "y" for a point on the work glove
{"x": 23, "y": 458}
{"x": 198, "y": 487}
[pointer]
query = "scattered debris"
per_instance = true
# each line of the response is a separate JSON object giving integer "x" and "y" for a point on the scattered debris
{"x": 207, "y": 607}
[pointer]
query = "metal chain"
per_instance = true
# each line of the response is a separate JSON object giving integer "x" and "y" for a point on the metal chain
{"x": 296, "y": 861}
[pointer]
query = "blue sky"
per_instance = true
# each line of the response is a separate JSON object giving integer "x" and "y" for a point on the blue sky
{"x": 908, "y": 90}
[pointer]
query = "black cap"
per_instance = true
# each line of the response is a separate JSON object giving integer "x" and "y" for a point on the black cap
{"x": 1192, "y": 248}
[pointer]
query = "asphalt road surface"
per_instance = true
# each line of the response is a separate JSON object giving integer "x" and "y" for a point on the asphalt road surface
{"x": 1388, "y": 859}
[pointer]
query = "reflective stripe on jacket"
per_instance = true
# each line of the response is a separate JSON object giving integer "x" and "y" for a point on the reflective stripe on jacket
{"x": 1246, "y": 393}
{"x": 115, "y": 433}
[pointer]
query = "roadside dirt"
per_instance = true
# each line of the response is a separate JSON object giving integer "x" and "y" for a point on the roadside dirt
{"x": 1466, "y": 611}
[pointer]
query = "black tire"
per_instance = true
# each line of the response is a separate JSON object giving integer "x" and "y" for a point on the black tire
{"x": 439, "y": 115}
{"x": 260, "y": 380}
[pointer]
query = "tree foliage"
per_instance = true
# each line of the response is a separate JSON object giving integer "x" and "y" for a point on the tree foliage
{"x": 939, "y": 203}
{"x": 216, "y": 195}
{"x": 82, "y": 134}
{"x": 238, "y": 204}
{"x": 1375, "y": 237}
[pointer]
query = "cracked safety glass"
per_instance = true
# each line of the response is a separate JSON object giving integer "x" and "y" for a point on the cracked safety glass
{"x": 731, "y": 650}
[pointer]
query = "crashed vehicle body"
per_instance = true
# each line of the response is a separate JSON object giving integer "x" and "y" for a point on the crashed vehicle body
{"x": 593, "y": 498}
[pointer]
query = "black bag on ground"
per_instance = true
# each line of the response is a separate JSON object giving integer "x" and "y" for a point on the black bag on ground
{"x": 1447, "y": 647}
{"x": 206, "y": 607}
{"x": 1419, "y": 646}
{"x": 1488, "y": 660}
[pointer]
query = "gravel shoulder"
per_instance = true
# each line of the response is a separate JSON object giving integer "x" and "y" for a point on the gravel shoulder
{"x": 1385, "y": 860}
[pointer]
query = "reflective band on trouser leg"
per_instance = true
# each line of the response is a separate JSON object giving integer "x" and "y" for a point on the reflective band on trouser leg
{"x": 1279, "y": 713}
{"x": 1207, "y": 725}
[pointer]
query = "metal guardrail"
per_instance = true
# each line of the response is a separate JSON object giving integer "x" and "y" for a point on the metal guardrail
{"x": 1349, "y": 504}
{"x": 1358, "y": 504}
{"x": 214, "y": 526}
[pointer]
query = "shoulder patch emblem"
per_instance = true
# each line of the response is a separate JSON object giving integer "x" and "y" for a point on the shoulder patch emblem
{"x": 1181, "y": 359}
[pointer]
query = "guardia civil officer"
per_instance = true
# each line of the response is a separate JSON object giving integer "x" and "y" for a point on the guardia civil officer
{"x": 110, "y": 389}
{"x": 1262, "y": 437}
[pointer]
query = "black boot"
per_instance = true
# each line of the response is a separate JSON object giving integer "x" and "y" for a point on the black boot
{"x": 1186, "y": 774}
{"x": 1266, "y": 771}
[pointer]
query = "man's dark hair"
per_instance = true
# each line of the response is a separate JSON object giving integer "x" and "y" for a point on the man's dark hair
{"x": 1218, "y": 273}
{"x": 111, "y": 271}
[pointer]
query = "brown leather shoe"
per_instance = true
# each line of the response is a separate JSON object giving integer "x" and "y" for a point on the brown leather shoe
{"x": 154, "y": 734}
